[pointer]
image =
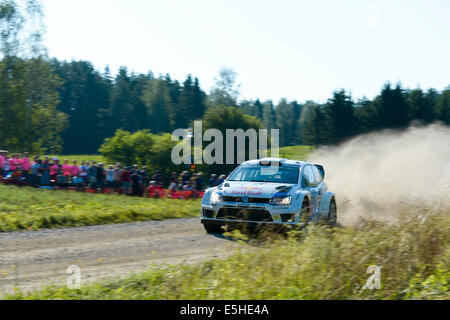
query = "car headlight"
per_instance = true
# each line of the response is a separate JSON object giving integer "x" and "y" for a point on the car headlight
{"x": 216, "y": 197}
{"x": 282, "y": 201}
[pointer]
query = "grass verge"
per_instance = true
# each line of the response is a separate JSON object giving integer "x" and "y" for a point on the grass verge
{"x": 80, "y": 157}
{"x": 319, "y": 263}
{"x": 296, "y": 152}
{"x": 32, "y": 209}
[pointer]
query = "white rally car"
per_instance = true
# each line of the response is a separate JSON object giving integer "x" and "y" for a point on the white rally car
{"x": 269, "y": 191}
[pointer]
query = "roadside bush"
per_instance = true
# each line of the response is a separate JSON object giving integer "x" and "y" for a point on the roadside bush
{"x": 141, "y": 148}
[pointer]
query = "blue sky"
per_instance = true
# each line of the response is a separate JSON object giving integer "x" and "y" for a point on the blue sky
{"x": 302, "y": 50}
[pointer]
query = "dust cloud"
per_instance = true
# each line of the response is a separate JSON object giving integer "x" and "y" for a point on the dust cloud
{"x": 382, "y": 174}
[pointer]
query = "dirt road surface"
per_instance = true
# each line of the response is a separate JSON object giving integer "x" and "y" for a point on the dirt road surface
{"x": 30, "y": 260}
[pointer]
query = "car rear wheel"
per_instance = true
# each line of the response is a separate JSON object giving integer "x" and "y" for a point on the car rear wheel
{"x": 332, "y": 214}
{"x": 212, "y": 228}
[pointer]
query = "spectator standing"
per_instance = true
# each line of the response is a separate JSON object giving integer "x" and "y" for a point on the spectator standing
{"x": 16, "y": 166}
{"x": 26, "y": 166}
{"x": 109, "y": 174}
{"x": 222, "y": 179}
{"x": 61, "y": 180}
{"x": 3, "y": 154}
{"x": 199, "y": 182}
{"x": 74, "y": 169}
{"x": 125, "y": 180}
{"x": 84, "y": 168}
{"x": 185, "y": 176}
{"x": 173, "y": 178}
{"x": 151, "y": 190}
{"x": 100, "y": 176}
{"x": 92, "y": 174}
{"x": 173, "y": 188}
{"x": 187, "y": 186}
{"x": 180, "y": 184}
{"x": 118, "y": 178}
{"x": 75, "y": 172}
{"x": 66, "y": 168}
{"x": 36, "y": 173}
{"x": 213, "y": 181}
{"x": 135, "y": 183}
{"x": 45, "y": 172}
{"x": 6, "y": 166}
{"x": 157, "y": 178}
{"x": 12, "y": 166}
{"x": 145, "y": 177}
{"x": 54, "y": 168}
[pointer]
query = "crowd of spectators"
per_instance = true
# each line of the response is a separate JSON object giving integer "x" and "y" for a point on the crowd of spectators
{"x": 96, "y": 177}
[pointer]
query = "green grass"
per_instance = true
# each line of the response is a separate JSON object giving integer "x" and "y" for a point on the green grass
{"x": 84, "y": 157}
{"x": 33, "y": 209}
{"x": 319, "y": 263}
{"x": 296, "y": 152}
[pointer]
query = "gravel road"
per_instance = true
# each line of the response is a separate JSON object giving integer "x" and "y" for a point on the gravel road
{"x": 30, "y": 260}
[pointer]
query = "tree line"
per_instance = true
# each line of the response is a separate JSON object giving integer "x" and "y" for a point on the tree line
{"x": 69, "y": 107}
{"x": 342, "y": 117}
{"x": 94, "y": 102}
{"x": 97, "y": 105}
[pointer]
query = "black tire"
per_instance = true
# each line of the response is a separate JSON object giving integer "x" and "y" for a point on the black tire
{"x": 212, "y": 228}
{"x": 332, "y": 214}
{"x": 305, "y": 213}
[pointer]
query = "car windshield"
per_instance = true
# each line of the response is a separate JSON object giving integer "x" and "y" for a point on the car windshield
{"x": 272, "y": 174}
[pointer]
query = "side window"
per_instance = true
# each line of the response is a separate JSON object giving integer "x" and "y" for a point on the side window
{"x": 317, "y": 174}
{"x": 308, "y": 177}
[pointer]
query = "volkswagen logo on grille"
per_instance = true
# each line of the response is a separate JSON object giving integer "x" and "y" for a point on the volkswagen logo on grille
{"x": 245, "y": 199}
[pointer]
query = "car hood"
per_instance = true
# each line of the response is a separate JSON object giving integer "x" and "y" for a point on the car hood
{"x": 254, "y": 189}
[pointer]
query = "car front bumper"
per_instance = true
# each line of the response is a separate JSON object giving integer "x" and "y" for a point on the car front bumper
{"x": 238, "y": 213}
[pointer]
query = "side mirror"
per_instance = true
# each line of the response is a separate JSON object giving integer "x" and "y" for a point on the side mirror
{"x": 305, "y": 182}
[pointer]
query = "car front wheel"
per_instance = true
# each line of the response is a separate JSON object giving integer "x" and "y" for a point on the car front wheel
{"x": 305, "y": 213}
{"x": 212, "y": 228}
{"x": 332, "y": 214}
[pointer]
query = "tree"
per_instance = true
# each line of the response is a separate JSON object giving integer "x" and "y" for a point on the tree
{"x": 367, "y": 118}
{"x": 223, "y": 118}
{"x": 226, "y": 91}
{"x": 442, "y": 109}
{"x": 140, "y": 148}
{"x": 268, "y": 118}
{"x": 140, "y": 116}
{"x": 420, "y": 107}
{"x": 119, "y": 113}
{"x": 305, "y": 113}
{"x": 198, "y": 100}
{"x": 83, "y": 94}
{"x": 392, "y": 108}
{"x": 340, "y": 111}
{"x": 284, "y": 115}
{"x": 296, "y": 113}
{"x": 122, "y": 148}
{"x": 157, "y": 99}
{"x": 259, "y": 109}
{"x": 29, "y": 120}
{"x": 317, "y": 127}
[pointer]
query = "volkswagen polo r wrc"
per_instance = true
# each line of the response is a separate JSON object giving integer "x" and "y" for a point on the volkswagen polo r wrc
{"x": 270, "y": 191}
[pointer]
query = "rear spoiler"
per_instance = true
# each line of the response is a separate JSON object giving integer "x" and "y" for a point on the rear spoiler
{"x": 321, "y": 170}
